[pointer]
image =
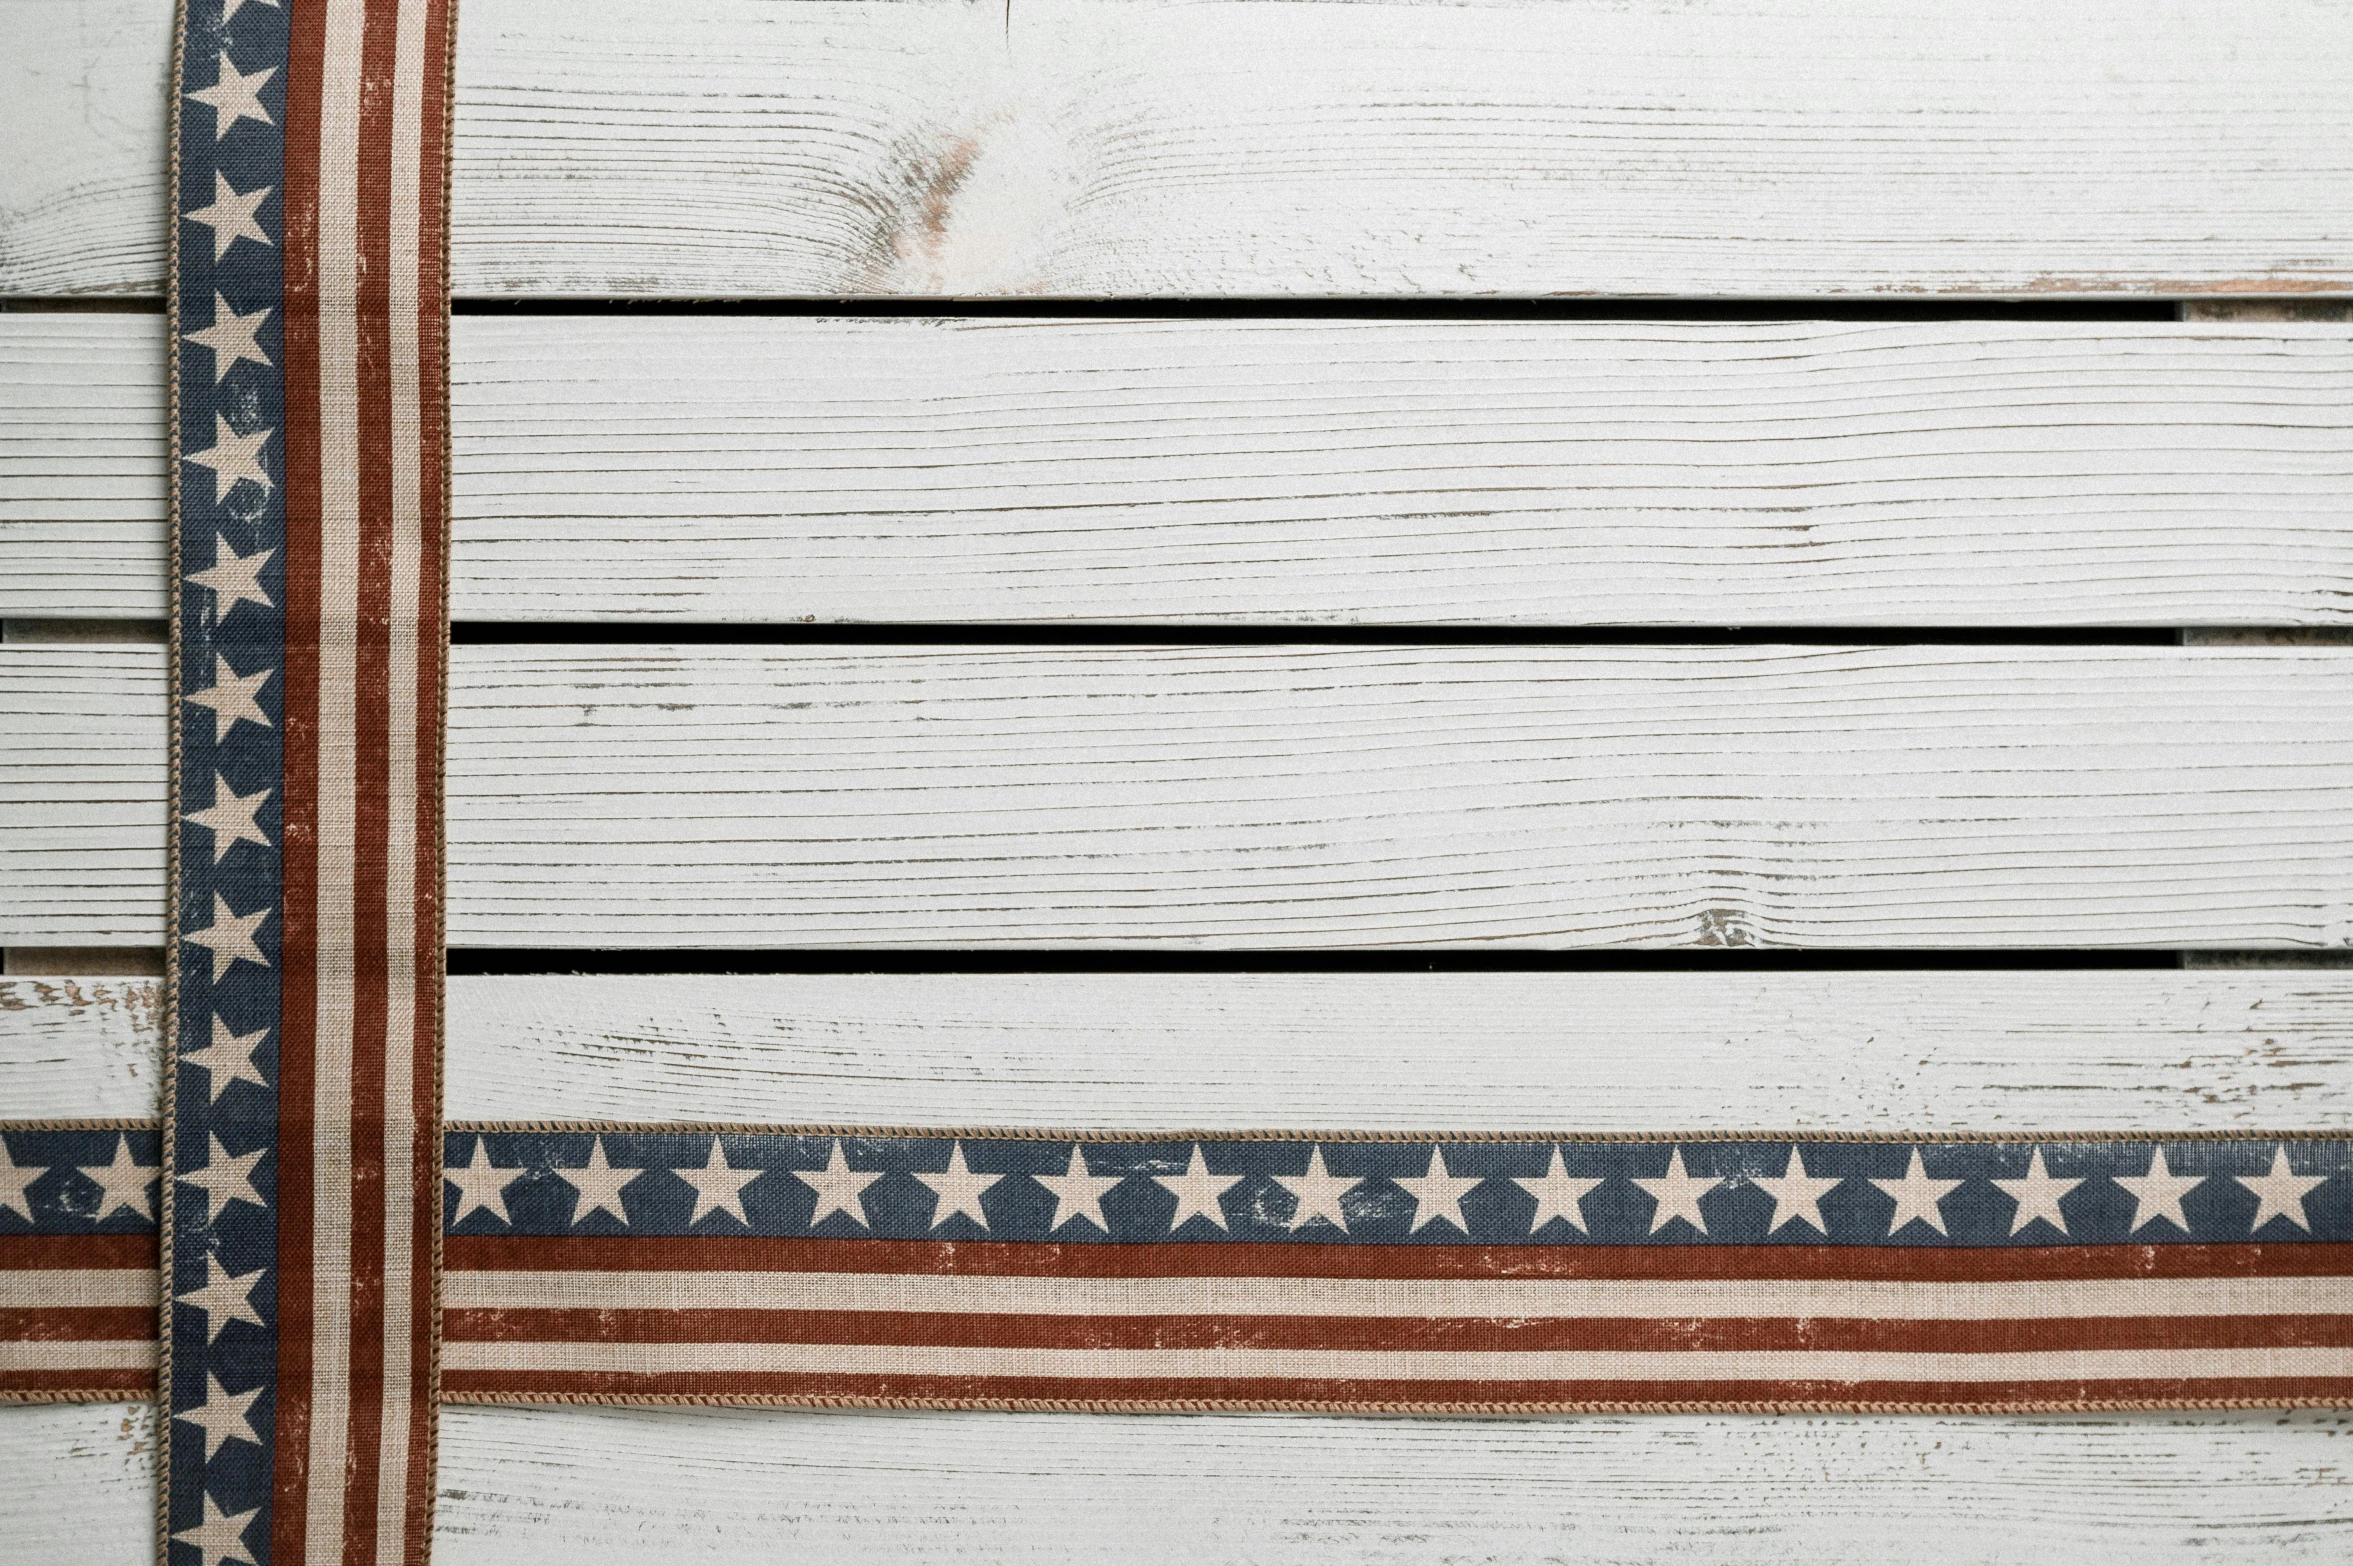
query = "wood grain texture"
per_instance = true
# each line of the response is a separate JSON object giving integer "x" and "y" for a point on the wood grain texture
{"x": 522, "y": 1487}
{"x": 1317, "y": 796}
{"x": 1102, "y": 147}
{"x": 1364, "y": 472}
{"x": 84, "y": 776}
{"x": 84, "y": 144}
{"x": 1285, "y": 797}
{"x": 83, "y": 453}
{"x": 2142, "y": 1050}
{"x": 80, "y": 1048}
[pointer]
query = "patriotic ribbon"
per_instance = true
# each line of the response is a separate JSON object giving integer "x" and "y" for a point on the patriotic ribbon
{"x": 309, "y": 373}
{"x": 616, "y": 1263}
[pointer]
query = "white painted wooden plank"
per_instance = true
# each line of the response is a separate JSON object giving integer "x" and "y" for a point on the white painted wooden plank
{"x": 762, "y": 1485}
{"x": 84, "y": 142}
{"x": 1565, "y": 473}
{"x": 2135, "y": 1049}
{"x": 78, "y": 1048}
{"x": 81, "y": 1484}
{"x": 1319, "y": 796}
{"x": 84, "y": 774}
{"x": 82, "y": 457}
{"x": 520, "y": 1487}
{"x": 1300, "y": 796}
{"x": 2143, "y": 1050}
{"x": 1100, "y": 147}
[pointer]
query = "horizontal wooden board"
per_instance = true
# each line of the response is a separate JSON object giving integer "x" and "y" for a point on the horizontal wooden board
{"x": 1086, "y": 148}
{"x": 744, "y": 1487}
{"x": 1368, "y": 472}
{"x": 83, "y": 460}
{"x": 1285, "y": 797}
{"x": 84, "y": 774}
{"x": 81, "y": 1048}
{"x": 1976, "y": 1051}
{"x": 2139, "y": 1049}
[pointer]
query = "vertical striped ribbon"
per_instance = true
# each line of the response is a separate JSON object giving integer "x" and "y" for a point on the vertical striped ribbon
{"x": 309, "y": 300}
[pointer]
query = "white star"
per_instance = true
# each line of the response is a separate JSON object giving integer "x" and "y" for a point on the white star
{"x": 232, "y": 458}
{"x": 230, "y": 818}
{"x": 839, "y": 1188}
{"x": 123, "y": 1183}
{"x": 2157, "y": 1195}
{"x": 482, "y": 1185}
{"x": 2280, "y": 1193}
{"x": 223, "y": 1416}
{"x": 1917, "y": 1197}
{"x": 599, "y": 1184}
{"x": 232, "y": 696}
{"x": 234, "y": 578}
{"x": 225, "y": 1297}
{"x": 14, "y": 1178}
{"x": 230, "y": 936}
{"x": 220, "y": 1537}
{"x": 230, "y": 217}
{"x": 718, "y": 1186}
{"x": 1559, "y": 1195}
{"x": 235, "y": 97}
{"x": 1197, "y": 1192}
{"x": 228, "y": 1058}
{"x": 1797, "y": 1193}
{"x": 227, "y": 1178}
{"x": 1677, "y": 1194}
{"x": 1316, "y": 1194}
{"x": 1078, "y": 1192}
{"x": 2037, "y": 1196}
{"x": 958, "y": 1190}
{"x": 231, "y": 7}
{"x": 1437, "y": 1193}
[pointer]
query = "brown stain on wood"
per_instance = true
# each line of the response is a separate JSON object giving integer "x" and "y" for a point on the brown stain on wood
{"x": 912, "y": 214}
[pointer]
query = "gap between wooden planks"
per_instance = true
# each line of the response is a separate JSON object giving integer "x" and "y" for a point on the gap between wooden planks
{"x": 1758, "y": 148}
{"x": 1589, "y": 473}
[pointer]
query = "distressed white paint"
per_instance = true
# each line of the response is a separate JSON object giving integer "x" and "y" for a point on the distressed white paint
{"x": 1760, "y": 148}
{"x": 1300, "y": 796}
{"x": 1562, "y": 473}
{"x": 84, "y": 128}
{"x": 523, "y": 1487}
{"x": 1389, "y": 797}
{"x": 73, "y": 1047}
{"x": 2147, "y": 1049}
{"x": 84, "y": 774}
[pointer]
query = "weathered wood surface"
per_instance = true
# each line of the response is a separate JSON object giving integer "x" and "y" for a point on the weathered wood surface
{"x": 84, "y": 138}
{"x": 1306, "y": 796}
{"x": 521, "y": 1487}
{"x": 1979, "y": 1051}
{"x": 2141, "y": 1050}
{"x": 83, "y": 453}
{"x": 1763, "y": 148}
{"x": 84, "y": 775}
{"x": 80, "y": 1048}
{"x": 1562, "y": 473}
{"x": 1299, "y": 796}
